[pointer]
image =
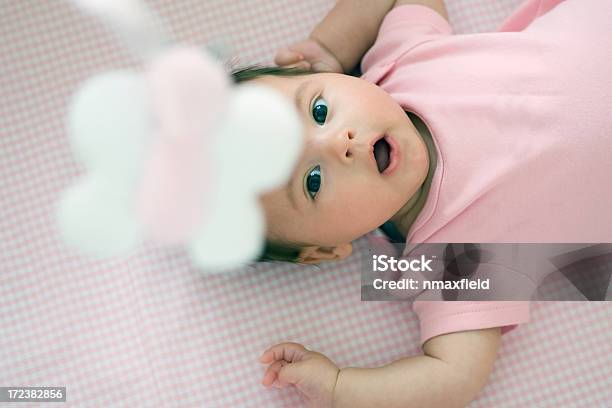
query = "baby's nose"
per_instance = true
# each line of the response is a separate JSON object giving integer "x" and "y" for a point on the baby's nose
{"x": 340, "y": 145}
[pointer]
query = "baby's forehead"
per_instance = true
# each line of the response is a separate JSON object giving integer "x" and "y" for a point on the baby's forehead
{"x": 297, "y": 87}
{"x": 296, "y": 80}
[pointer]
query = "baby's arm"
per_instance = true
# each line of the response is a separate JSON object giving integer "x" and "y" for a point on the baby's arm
{"x": 452, "y": 371}
{"x": 339, "y": 41}
{"x": 351, "y": 27}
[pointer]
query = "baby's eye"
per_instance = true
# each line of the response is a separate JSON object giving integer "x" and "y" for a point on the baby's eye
{"x": 319, "y": 111}
{"x": 313, "y": 181}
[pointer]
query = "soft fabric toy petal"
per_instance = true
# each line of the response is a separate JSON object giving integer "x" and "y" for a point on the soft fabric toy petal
{"x": 136, "y": 24}
{"x": 107, "y": 127}
{"x": 231, "y": 237}
{"x": 260, "y": 140}
{"x": 189, "y": 94}
{"x": 94, "y": 216}
{"x": 259, "y": 121}
{"x": 108, "y": 121}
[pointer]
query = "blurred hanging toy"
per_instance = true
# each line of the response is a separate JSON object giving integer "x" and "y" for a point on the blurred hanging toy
{"x": 175, "y": 155}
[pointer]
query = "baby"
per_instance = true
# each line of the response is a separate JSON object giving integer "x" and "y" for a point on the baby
{"x": 491, "y": 137}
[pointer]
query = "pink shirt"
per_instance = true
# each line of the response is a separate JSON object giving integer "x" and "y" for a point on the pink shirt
{"x": 522, "y": 123}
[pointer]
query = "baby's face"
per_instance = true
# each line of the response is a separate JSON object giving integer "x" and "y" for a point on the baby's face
{"x": 340, "y": 189}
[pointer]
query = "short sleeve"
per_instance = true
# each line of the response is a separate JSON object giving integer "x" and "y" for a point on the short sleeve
{"x": 402, "y": 29}
{"x": 442, "y": 317}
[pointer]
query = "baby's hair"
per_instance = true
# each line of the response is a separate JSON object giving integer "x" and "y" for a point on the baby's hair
{"x": 273, "y": 251}
{"x": 244, "y": 74}
{"x": 279, "y": 252}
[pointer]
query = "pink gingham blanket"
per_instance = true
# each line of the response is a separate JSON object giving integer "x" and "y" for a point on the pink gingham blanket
{"x": 149, "y": 330}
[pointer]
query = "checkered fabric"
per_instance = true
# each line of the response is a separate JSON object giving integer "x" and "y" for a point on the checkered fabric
{"x": 148, "y": 329}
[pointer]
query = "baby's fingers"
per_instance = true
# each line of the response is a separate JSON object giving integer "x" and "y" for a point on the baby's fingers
{"x": 305, "y": 65}
{"x": 285, "y": 57}
{"x": 271, "y": 373}
{"x": 288, "y": 351}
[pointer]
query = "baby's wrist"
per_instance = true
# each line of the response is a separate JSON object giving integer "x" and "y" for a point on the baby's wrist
{"x": 313, "y": 37}
{"x": 334, "y": 402}
{"x": 341, "y": 395}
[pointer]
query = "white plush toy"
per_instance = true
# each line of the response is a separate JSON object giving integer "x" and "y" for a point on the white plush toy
{"x": 176, "y": 154}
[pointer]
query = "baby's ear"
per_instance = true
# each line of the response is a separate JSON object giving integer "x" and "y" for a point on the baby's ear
{"x": 318, "y": 254}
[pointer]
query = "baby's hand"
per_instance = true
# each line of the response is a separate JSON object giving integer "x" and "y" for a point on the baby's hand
{"x": 308, "y": 54}
{"x": 313, "y": 374}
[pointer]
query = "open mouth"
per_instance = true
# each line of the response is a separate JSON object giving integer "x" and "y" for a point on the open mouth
{"x": 382, "y": 154}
